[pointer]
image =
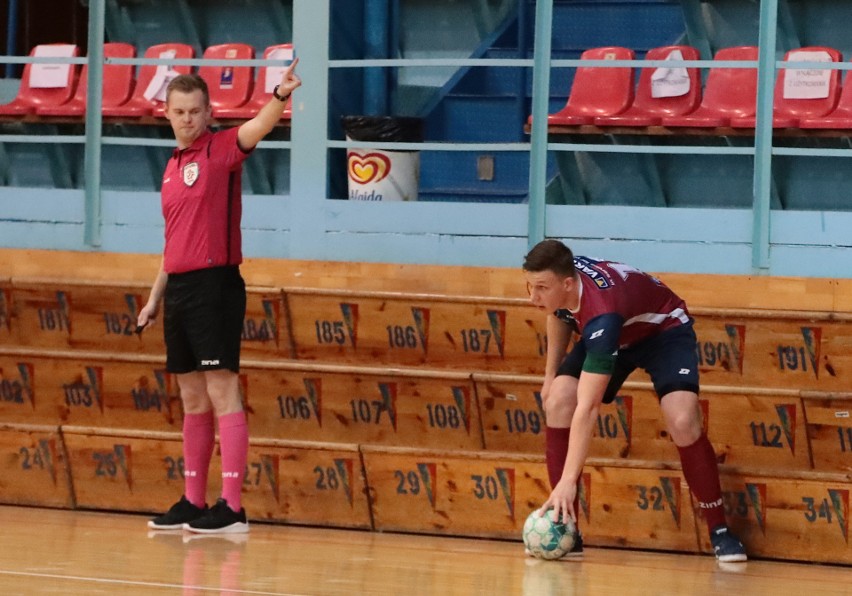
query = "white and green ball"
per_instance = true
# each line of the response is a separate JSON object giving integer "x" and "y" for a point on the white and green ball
{"x": 547, "y": 538}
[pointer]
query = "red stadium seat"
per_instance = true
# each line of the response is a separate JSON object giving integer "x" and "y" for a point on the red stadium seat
{"x": 840, "y": 118}
{"x": 139, "y": 105}
{"x": 597, "y": 91}
{"x": 117, "y": 86}
{"x": 260, "y": 95}
{"x": 648, "y": 110}
{"x": 788, "y": 111}
{"x": 229, "y": 86}
{"x": 30, "y": 98}
{"x": 729, "y": 93}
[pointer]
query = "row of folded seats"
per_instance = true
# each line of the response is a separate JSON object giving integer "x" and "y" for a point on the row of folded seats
{"x": 605, "y": 97}
{"x": 672, "y": 96}
{"x": 54, "y": 89}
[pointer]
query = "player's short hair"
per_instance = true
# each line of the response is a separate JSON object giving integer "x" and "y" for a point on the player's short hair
{"x": 550, "y": 255}
{"x": 187, "y": 83}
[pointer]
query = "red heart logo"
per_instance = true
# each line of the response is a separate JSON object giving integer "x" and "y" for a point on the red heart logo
{"x": 372, "y": 167}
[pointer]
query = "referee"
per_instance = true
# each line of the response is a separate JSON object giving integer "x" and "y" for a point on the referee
{"x": 204, "y": 295}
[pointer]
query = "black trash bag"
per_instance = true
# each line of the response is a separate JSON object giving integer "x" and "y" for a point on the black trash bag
{"x": 395, "y": 129}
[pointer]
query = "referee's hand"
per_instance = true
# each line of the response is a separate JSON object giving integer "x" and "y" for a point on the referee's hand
{"x": 147, "y": 316}
{"x": 290, "y": 81}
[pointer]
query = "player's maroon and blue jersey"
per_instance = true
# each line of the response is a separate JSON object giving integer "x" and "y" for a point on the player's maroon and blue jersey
{"x": 620, "y": 306}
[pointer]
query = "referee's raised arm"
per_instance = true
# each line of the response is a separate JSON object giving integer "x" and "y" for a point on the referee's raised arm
{"x": 252, "y": 131}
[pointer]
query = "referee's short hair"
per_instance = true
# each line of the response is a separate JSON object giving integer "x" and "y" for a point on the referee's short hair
{"x": 187, "y": 83}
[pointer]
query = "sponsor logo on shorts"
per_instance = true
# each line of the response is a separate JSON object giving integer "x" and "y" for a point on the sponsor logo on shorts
{"x": 209, "y": 362}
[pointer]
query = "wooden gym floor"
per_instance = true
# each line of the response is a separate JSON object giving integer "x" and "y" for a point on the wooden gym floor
{"x": 46, "y": 551}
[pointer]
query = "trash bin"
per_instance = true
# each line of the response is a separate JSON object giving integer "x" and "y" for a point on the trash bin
{"x": 378, "y": 175}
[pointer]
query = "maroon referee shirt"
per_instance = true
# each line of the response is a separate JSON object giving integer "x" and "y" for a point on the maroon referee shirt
{"x": 202, "y": 203}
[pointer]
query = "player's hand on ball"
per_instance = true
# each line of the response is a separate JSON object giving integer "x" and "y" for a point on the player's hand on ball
{"x": 561, "y": 500}
{"x": 545, "y": 538}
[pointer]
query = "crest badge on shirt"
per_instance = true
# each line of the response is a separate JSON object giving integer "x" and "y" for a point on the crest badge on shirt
{"x": 190, "y": 173}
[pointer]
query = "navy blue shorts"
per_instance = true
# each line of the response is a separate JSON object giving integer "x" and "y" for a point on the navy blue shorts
{"x": 203, "y": 319}
{"x": 670, "y": 358}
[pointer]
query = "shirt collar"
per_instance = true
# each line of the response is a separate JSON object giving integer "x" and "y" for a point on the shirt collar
{"x": 579, "y": 297}
{"x": 196, "y": 144}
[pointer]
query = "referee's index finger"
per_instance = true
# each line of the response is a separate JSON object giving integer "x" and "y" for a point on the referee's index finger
{"x": 292, "y": 65}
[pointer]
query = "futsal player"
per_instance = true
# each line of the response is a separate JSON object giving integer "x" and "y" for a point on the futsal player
{"x": 624, "y": 319}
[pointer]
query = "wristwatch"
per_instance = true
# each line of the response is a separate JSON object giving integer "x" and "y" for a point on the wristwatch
{"x": 279, "y": 97}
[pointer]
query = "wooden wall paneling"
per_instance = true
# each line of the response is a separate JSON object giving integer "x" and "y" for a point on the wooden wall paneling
{"x": 307, "y": 483}
{"x": 33, "y": 467}
{"x": 829, "y": 424}
{"x": 791, "y": 516}
{"x": 69, "y": 314}
{"x": 89, "y": 388}
{"x": 440, "y": 332}
{"x": 370, "y": 405}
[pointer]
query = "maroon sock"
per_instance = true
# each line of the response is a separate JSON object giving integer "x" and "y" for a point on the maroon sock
{"x": 702, "y": 475}
{"x": 556, "y": 449}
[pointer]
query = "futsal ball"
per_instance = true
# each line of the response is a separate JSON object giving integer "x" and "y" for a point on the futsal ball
{"x": 547, "y": 538}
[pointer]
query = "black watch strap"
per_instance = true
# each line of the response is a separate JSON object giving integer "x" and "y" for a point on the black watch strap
{"x": 279, "y": 97}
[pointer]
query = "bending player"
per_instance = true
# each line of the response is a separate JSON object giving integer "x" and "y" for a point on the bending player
{"x": 205, "y": 296}
{"x": 625, "y": 320}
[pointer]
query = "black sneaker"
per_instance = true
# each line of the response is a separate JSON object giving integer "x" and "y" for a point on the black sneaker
{"x": 727, "y": 547}
{"x": 220, "y": 519}
{"x": 180, "y": 513}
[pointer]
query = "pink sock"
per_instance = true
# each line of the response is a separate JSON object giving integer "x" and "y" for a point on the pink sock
{"x": 193, "y": 571}
{"x": 233, "y": 443}
{"x": 199, "y": 436}
{"x": 229, "y": 575}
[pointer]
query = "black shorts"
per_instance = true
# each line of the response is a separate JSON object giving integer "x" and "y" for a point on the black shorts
{"x": 670, "y": 358}
{"x": 203, "y": 319}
